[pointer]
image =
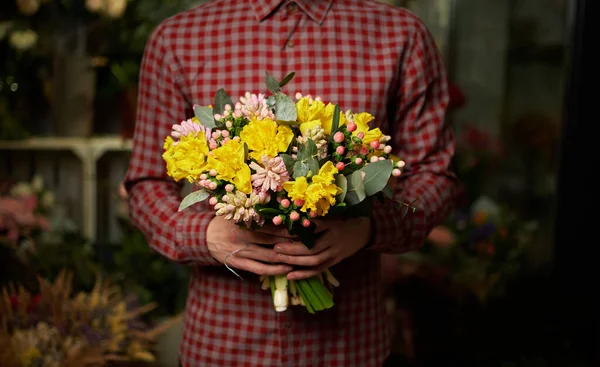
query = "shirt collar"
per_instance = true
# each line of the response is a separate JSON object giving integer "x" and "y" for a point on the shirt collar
{"x": 315, "y": 9}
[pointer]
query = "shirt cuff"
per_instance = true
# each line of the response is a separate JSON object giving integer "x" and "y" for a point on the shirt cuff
{"x": 191, "y": 239}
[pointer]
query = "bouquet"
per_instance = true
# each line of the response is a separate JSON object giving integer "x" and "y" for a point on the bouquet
{"x": 56, "y": 329}
{"x": 268, "y": 157}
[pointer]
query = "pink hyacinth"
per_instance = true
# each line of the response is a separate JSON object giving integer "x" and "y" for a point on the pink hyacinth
{"x": 188, "y": 127}
{"x": 271, "y": 175}
{"x": 255, "y": 106}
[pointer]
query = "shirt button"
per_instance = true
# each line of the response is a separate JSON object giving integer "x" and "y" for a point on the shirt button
{"x": 290, "y": 44}
{"x": 292, "y": 7}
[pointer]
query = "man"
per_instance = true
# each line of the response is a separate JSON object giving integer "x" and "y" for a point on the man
{"x": 364, "y": 55}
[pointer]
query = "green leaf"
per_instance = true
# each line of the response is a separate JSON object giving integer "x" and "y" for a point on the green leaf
{"x": 222, "y": 99}
{"x": 308, "y": 150}
{"x": 272, "y": 83}
{"x": 300, "y": 169}
{"x": 335, "y": 124}
{"x": 285, "y": 108}
{"x": 287, "y": 79}
{"x": 387, "y": 191}
{"x": 377, "y": 175}
{"x": 193, "y": 198}
{"x": 289, "y": 163}
{"x": 307, "y": 159}
{"x": 356, "y": 189}
{"x": 269, "y": 213}
{"x": 342, "y": 183}
{"x": 205, "y": 116}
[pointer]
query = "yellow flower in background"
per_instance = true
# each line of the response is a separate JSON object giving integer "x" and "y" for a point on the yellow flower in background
{"x": 30, "y": 355}
{"x": 187, "y": 158}
{"x": 320, "y": 194}
{"x": 362, "y": 126}
{"x": 265, "y": 137}
{"x": 230, "y": 163}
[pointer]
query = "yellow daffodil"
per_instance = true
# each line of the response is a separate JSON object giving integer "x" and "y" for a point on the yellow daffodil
{"x": 327, "y": 119}
{"x": 187, "y": 158}
{"x": 266, "y": 138}
{"x": 308, "y": 111}
{"x": 230, "y": 163}
{"x": 316, "y": 114}
{"x": 319, "y": 195}
{"x": 362, "y": 126}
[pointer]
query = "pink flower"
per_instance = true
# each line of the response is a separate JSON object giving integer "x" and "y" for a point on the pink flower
{"x": 271, "y": 175}
{"x": 255, "y": 106}
{"x": 188, "y": 127}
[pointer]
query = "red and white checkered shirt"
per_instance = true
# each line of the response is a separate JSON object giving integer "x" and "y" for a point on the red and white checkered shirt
{"x": 364, "y": 55}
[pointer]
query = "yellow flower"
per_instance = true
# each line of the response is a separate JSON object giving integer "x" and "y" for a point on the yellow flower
{"x": 320, "y": 194}
{"x": 230, "y": 163}
{"x": 309, "y": 111}
{"x": 362, "y": 125}
{"x": 30, "y": 355}
{"x": 327, "y": 118}
{"x": 309, "y": 125}
{"x": 264, "y": 137}
{"x": 316, "y": 114}
{"x": 186, "y": 159}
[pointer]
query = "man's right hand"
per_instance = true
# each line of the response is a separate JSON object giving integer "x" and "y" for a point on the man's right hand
{"x": 225, "y": 237}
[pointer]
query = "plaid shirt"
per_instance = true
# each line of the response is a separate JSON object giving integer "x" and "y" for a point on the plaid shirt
{"x": 364, "y": 55}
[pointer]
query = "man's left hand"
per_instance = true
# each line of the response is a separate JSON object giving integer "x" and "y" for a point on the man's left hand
{"x": 340, "y": 240}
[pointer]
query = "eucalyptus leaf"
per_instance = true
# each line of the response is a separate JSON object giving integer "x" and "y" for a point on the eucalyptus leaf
{"x": 387, "y": 191}
{"x": 285, "y": 108}
{"x": 308, "y": 150}
{"x": 205, "y": 116}
{"x": 377, "y": 175}
{"x": 272, "y": 83}
{"x": 313, "y": 165}
{"x": 193, "y": 198}
{"x": 222, "y": 99}
{"x": 300, "y": 169}
{"x": 342, "y": 182}
{"x": 287, "y": 79}
{"x": 289, "y": 163}
{"x": 335, "y": 124}
{"x": 355, "y": 192}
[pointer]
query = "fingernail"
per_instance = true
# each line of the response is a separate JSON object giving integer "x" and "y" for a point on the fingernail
{"x": 278, "y": 249}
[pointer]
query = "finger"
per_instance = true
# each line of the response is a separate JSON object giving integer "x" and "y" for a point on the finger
{"x": 307, "y": 260}
{"x": 298, "y": 248}
{"x": 277, "y": 231}
{"x": 310, "y": 272}
{"x": 258, "y": 267}
{"x": 259, "y": 253}
{"x": 248, "y": 236}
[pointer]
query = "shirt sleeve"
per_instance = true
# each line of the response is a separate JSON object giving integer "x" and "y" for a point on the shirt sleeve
{"x": 425, "y": 142}
{"x": 154, "y": 197}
